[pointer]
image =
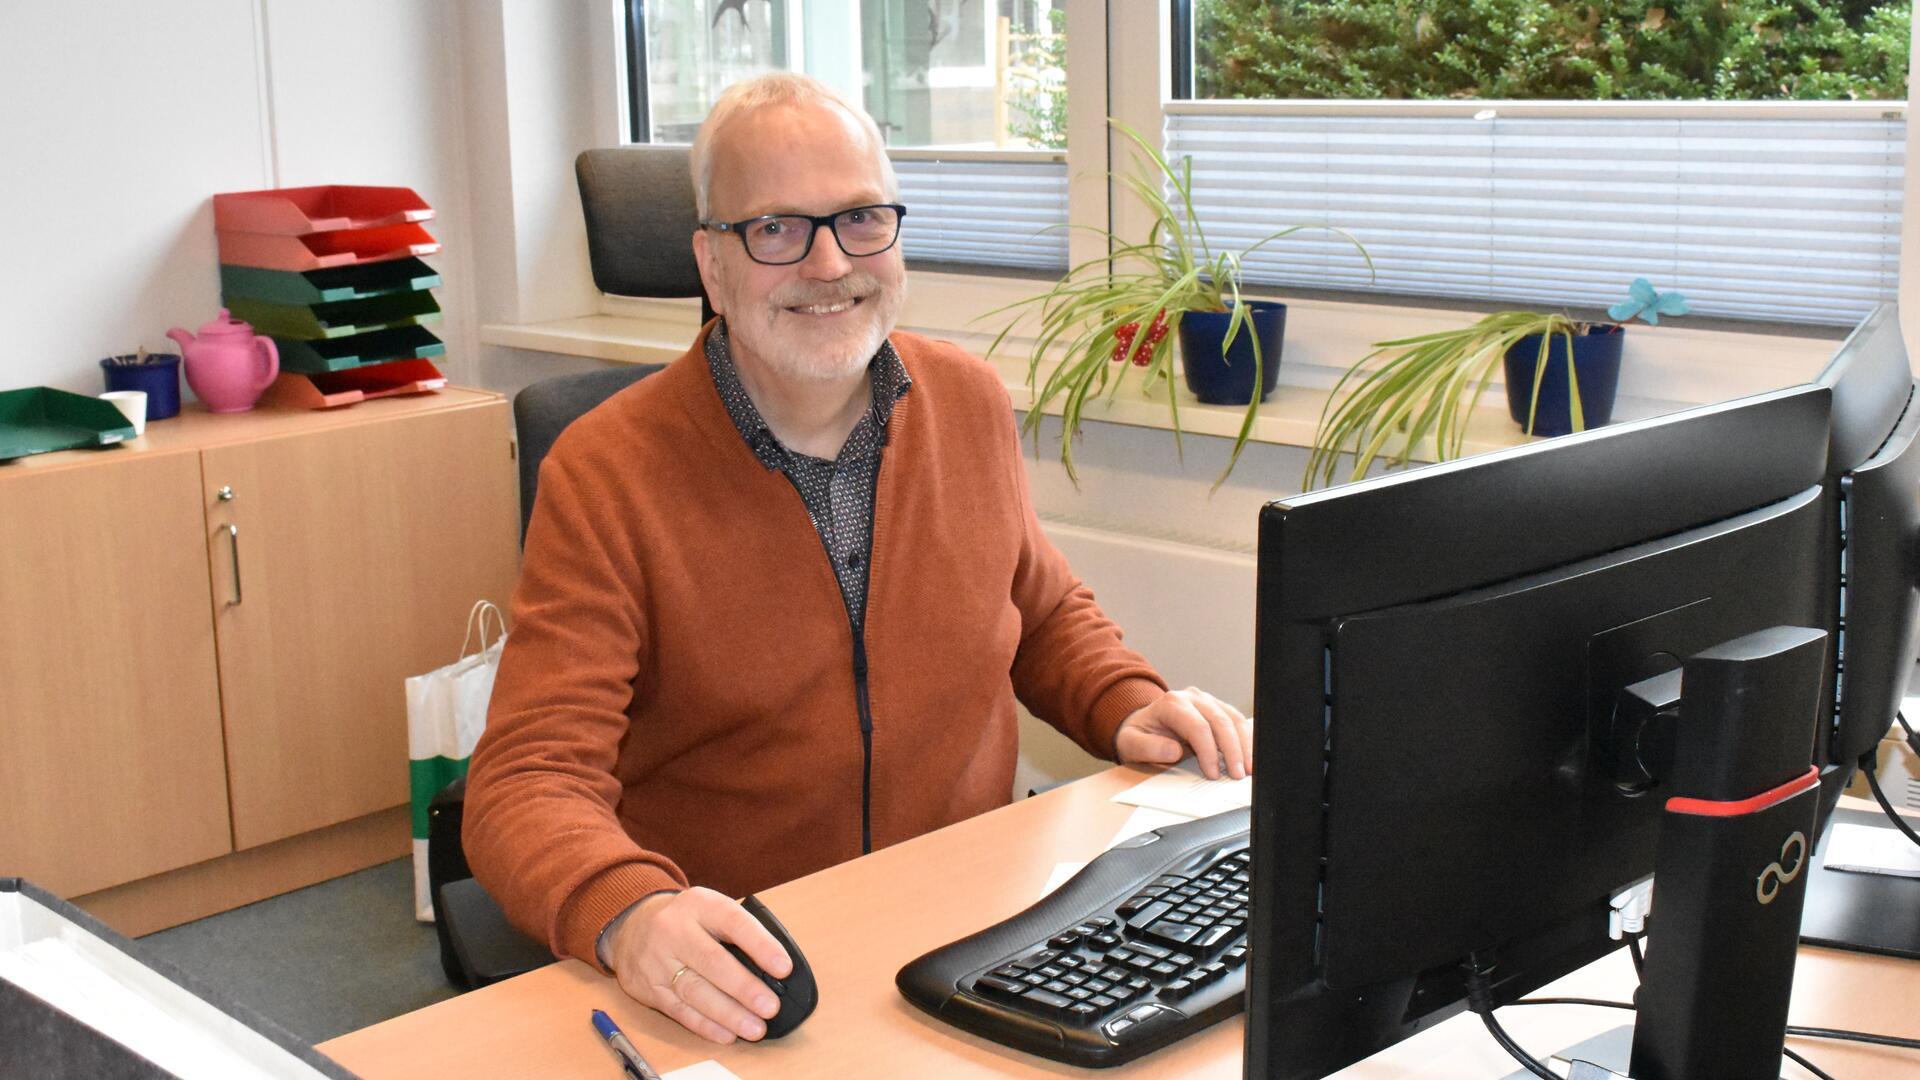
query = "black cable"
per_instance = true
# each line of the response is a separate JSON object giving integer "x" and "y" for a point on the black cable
{"x": 1819, "y": 1073}
{"x": 1900, "y": 718}
{"x": 1854, "y": 1036}
{"x": 1506, "y": 1043}
{"x": 1595, "y": 1002}
{"x": 1880, "y": 795}
{"x": 1480, "y": 1000}
{"x": 1639, "y": 958}
{"x": 1840, "y": 1034}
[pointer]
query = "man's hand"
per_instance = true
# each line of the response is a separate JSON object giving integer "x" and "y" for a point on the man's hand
{"x": 1190, "y": 721}
{"x": 666, "y": 953}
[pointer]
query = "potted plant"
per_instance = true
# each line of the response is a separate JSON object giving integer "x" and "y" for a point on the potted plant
{"x": 1122, "y": 311}
{"x": 1424, "y": 388}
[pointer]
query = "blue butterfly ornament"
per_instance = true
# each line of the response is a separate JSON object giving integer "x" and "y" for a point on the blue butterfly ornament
{"x": 1644, "y": 302}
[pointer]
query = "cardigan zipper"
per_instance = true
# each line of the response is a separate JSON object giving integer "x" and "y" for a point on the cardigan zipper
{"x": 862, "y": 704}
{"x": 866, "y": 739}
{"x": 860, "y": 668}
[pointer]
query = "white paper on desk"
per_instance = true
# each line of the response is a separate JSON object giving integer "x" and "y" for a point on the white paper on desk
{"x": 1061, "y": 872}
{"x": 1181, "y": 789}
{"x": 1871, "y": 849}
{"x": 701, "y": 1070}
{"x": 1145, "y": 819}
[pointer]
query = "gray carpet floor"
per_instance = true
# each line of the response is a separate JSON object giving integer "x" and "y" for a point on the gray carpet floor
{"x": 323, "y": 960}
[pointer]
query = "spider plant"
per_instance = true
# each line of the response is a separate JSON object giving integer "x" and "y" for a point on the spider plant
{"x": 1427, "y": 386}
{"x": 1425, "y": 390}
{"x": 1110, "y": 315}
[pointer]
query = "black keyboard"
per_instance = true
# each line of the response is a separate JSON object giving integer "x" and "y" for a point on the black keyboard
{"x": 1146, "y": 945}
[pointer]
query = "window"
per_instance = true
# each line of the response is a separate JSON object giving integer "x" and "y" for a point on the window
{"x": 969, "y": 95}
{"x": 1749, "y": 154}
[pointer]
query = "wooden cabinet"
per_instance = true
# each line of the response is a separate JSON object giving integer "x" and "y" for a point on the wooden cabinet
{"x": 206, "y": 631}
{"x": 111, "y": 764}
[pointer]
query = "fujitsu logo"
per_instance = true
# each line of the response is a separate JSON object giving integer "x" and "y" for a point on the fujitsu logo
{"x": 1780, "y": 873}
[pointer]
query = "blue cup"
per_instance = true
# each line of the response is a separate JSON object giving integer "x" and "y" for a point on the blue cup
{"x": 158, "y": 377}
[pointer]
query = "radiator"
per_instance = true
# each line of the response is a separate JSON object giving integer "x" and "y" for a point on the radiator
{"x": 1184, "y": 605}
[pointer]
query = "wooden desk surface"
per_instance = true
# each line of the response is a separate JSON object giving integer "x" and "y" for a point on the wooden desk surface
{"x": 861, "y": 921}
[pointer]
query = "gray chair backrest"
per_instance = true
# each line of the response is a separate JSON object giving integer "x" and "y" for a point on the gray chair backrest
{"x": 543, "y": 410}
{"x": 640, "y": 216}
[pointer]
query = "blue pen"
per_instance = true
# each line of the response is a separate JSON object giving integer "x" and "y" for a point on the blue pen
{"x": 634, "y": 1065}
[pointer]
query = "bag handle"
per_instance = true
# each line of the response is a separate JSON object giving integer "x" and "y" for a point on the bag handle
{"x": 481, "y": 610}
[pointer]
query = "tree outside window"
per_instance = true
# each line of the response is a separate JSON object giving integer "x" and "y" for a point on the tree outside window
{"x": 1728, "y": 50}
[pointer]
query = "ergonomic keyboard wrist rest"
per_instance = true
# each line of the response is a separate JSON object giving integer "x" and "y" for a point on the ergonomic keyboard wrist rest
{"x": 944, "y": 981}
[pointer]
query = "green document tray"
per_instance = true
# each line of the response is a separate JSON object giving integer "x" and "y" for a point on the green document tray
{"x": 40, "y": 419}
{"x": 342, "y": 318}
{"x": 326, "y": 286}
{"x": 339, "y": 354}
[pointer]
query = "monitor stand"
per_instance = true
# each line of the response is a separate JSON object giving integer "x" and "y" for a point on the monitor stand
{"x": 1875, "y": 913}
{"x": 1609, "y": 1050}
{"x": 1714, "y": 990}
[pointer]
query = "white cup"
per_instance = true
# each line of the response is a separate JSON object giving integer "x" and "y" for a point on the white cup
{"x": 133, "y": 405}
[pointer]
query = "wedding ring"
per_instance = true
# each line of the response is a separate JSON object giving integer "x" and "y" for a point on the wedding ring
{"x": 673, "y": 983}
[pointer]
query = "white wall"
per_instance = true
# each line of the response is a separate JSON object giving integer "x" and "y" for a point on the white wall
{"x": 530, "y": 68}
{"x": 121, "y": 118}
{"x": 371, "y": 92}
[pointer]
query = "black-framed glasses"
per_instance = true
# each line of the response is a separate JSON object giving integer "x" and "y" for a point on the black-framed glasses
{"x": 784, "y": 239}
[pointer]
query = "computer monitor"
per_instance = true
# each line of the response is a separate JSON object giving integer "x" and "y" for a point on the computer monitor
{"x": 1439, "y": 658}
{"x": 1873, "y": 612}
{"x": 1873, "y": 534}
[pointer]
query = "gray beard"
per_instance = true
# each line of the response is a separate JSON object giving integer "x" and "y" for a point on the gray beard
{"x": 828, "y": 368}
{"x": 837, "y": 366}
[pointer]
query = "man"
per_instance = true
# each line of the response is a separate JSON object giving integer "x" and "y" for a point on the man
{"x": 779, "y": 598}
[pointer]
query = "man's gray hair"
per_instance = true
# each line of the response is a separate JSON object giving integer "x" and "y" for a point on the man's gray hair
{"x": 775, "y": 88}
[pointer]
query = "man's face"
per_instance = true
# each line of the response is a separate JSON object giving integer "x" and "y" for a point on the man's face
{"x": 825, "y": 316}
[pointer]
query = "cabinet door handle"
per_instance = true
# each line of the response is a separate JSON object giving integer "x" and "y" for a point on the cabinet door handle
{"x": 233, "y": 537}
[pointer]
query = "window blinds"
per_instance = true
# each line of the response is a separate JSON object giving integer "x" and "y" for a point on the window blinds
{"x": 1794, "y": 219}
{"x": 984, "y": 212}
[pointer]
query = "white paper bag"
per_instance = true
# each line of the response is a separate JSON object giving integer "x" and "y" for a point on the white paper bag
{"x": 446, "y": 710}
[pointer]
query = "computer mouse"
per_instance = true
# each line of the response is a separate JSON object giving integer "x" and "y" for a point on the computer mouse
{"x": 796, "y": 993}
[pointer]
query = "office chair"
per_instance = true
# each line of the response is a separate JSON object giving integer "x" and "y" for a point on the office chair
{"x": 638, "y": 204}
{"x": 477, "y": 944}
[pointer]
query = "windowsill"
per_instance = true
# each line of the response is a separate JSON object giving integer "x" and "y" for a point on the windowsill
{"x": 1291, "y": 415}
{"x": 1667, "y": 368}
{"x": 1288, "y": 418}
{"x": 617, "y": 338}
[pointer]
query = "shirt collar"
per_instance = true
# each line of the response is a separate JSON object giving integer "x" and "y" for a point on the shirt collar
{"x": 890, "y": 383}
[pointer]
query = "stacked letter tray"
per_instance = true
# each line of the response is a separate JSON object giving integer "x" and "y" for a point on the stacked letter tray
{"x": 41, "y": 419}
{"x": 333, "y": 274}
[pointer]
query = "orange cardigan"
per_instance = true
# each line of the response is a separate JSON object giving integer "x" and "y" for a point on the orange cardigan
{"x": 679, "y": 701}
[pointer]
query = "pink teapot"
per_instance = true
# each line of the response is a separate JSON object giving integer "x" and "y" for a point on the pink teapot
{"x": 228, "y": 365}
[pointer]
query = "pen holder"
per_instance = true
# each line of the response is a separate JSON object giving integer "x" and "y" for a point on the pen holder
{"x": 157, "y": 375}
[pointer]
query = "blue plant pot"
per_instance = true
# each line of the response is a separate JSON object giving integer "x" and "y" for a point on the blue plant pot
{"x": 158, "y": 378}
{"x": 1229, "y": 380}
{"x": 1596, "y": 365}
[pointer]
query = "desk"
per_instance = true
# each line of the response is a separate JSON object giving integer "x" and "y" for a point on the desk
{"x": 860, "y": 921}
